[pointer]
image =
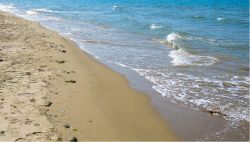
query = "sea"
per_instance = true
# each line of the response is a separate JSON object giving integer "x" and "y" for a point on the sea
{"x": 195, "y": 53}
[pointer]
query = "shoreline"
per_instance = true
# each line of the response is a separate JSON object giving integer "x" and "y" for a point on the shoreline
{"x": 179, "y": 119}
{"x": 69, "y": 88}
{"x": 187, "y": 123}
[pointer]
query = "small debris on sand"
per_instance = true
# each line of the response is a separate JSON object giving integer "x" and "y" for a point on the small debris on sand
{"x": 59, "y": 138}
{"x": 33, "y": 100}
{"x": 66, "y": 126}
{"x": 74, "y": 139}
{"x": 2, "y": 133}
{"x": 61, "y": 62}
{"x": 64, "y": 51}
{"x": 70, "y": 81}
{"x": 48, "y": 103}
{"x": 215, "y": 112}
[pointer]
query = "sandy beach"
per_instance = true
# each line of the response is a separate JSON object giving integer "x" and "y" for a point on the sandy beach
{"x": 52, "y": 90}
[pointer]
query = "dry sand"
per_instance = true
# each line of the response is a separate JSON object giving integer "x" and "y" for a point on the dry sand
{"x": 51, "y": 90}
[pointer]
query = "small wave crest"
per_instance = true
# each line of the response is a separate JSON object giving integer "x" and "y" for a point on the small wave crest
{"x": 198, "y": 17}
{"x": 37, "y": 11}
{"x": 220, "y": 19}
{"x": 115, "y": 7}
{"x": 154, "y": 27}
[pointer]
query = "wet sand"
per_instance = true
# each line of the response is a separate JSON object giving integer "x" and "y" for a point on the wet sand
{"x": 51, "y": 90}
{"x": 188, "y": 124}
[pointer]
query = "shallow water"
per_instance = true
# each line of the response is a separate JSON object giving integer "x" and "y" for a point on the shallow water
{"x": 196, "y": 53}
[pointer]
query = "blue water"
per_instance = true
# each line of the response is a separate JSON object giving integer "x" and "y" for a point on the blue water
{"x": 196, "y": 52}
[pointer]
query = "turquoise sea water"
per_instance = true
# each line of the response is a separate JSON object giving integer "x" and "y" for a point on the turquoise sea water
{"x": 195, "y": 52}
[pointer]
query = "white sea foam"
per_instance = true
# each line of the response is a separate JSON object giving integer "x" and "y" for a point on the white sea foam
{"x": 220, "y": 19}
{"x": 7, "y": 8}
{"x": 57, "y": 19}
{"x": 43, "y": 10}
{"x": 120, "y": 64}
{"x": 37, "y": 11}
{"x": 154, "y": 26}
{"x": 31, "y": 12}
{"x": 183, "y": 58}
{"x": 115, "y": 7}
{"x": 172, "y": 38}
{"x": 202, "y": 102}
{"x": 197, "y": 95}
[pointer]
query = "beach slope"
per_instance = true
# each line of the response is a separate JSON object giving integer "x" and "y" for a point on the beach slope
{"x": 51, "y": 90}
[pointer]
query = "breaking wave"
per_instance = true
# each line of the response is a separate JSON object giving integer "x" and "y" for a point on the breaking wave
{"x": 181, "y": 57}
